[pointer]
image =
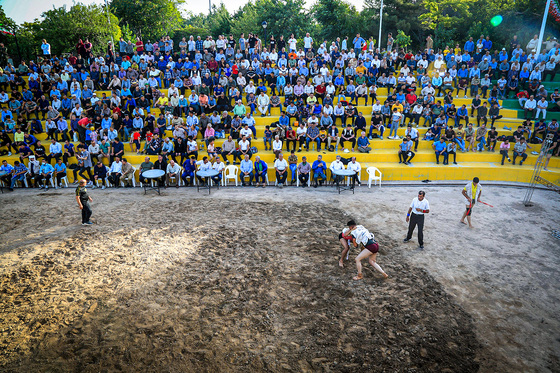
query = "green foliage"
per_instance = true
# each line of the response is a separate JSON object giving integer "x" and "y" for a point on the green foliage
{"x": 149, "y": 19}
{"x": 336, "y": 18}
{"x": 282, "y": 16}
{"x": 63, "y": 28}
{"x": 402, "y": 39}
{"x": 127, "y": 33}
{"x": 446, "y": 13}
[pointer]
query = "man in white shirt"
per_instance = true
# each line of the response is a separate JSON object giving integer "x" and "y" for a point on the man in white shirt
{"x": 262, "y": 103}
{"x": 356, "y": 167}
{"x": 218, "y": 166}
{"x": 542, "y": 105}
{"x": 530, "y": 106}
{"x": 335, "y": 166}
{"x": 203, "y": 165}
{"x": 244, "y": 149}
{"x": 281, "y": 167}
{"x": 55, "y": 151}
{"x": 115, "y": 172}
{"x": 173, "y": 171}
{"x": 277, "y": 146}
{"x": 415, "y": 217}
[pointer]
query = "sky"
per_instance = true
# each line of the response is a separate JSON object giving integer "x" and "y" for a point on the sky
{"x": 27, "y": 10}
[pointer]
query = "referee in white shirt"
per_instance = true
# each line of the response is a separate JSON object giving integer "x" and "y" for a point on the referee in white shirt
{"x": 415, "y": 217}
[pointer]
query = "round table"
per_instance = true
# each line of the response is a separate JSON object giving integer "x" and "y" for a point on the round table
{"x": 344, "y": 173}
{"x": 206, "y": 174}
{"x": 151, "y": 175}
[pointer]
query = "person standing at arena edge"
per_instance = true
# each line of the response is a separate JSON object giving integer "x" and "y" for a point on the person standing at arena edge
{"x": 415, "y": 217}
{"x": 471, "y": 192}
{"x": 83, "y": 200}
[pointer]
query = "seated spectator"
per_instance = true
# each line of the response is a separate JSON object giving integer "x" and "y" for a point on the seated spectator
{"x": 219, "y": 166}
{"x": 304, "y": 169}
{"x": 261, "y": 170}
{"x": 281, "y": 167}
{"x": 520, "y": 150}
{"x": 100, "y": 173}
{"x": 127, "y": 173}
{"x": 172, "y": 171}
{"x": 18, "y": 174}
{"x": 363, "y": 143}
{"x": 115, "y": 172}
{"x": 504, "y": 148}
{"x": 189, "y": 168}
{"x": 440, "y": 148}
{"x": 59, "y": 172}
{"x": 480, "y": 137}
{"x": 319, "y": 168}
{"x": 405, "y": 151}
{"x": 452, "y": 150}
{"x": 203, "y": 165}
{"x": 45, "y": 174}
{"x": 246, "y": 168}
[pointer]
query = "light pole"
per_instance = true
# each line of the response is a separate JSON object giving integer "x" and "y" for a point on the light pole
{"x": 264, "y": 25}
{"x": 380, "y": 23}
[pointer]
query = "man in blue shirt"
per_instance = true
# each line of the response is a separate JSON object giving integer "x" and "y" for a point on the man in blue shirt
{"x": 18, "y": 174}
{"x": 405, "y": 151}
{"x": 319, "y": 168}
{"x": 45, "y": 173}
{"x": 246, "y": 170}
{"x": 6, "y": 172}
{"x": 440, "y": 148}
{"x": 59, "y": 172}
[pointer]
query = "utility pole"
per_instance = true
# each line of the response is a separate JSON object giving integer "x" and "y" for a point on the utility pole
{"x": 380, "y": 23}
{"x": 543, "y": 26}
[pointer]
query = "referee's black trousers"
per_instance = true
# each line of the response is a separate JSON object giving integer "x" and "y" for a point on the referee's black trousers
{"x": 416, "y": 220}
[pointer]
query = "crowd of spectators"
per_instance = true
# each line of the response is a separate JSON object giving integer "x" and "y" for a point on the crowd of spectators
{"x": 159, "y": 97}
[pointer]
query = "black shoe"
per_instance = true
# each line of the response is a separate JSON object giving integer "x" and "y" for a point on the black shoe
{"x": 406, "y": 240}
{"x": 420, "y": 248}
{"x": 454, "y": 162}
{"x": 521, "y": 163}
{"x": 315, "y": 186}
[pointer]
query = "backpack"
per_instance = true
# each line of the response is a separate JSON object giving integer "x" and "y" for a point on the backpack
{"x": 254, "y": 150}
{"x": 345, "y": 161}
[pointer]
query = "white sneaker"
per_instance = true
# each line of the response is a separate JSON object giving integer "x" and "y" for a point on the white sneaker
{"x": 9, "y": 153}
{"x": 102, "y": 187}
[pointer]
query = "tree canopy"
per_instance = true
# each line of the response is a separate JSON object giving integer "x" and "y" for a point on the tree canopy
{"x": 447, "y": 21}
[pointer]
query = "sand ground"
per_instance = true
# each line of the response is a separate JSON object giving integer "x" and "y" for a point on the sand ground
{"x": 247, "y": 280}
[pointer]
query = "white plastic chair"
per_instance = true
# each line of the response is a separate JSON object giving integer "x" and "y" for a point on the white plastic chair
{"x": 65, "y": 180}
{"x": 372, "y": 176}
{"x": 231, "y": 172}
{"x": 107, "y": 184}
{"x": 24, "y": 181}
{"x": 133, "y": 178}
{"x": 178, "y": 177}
{"x": 349, "y": 178}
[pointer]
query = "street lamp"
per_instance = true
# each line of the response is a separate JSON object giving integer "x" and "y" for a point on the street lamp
{"x": 264, "y": 25}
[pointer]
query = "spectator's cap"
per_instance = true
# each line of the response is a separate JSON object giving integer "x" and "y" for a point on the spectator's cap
{"x": 31, "y": 157}
{"x": 181, "y": 96}
{"x": 541, "y": 86}
{"x": 161, "y": 58}
{"x": 485, "y": 59}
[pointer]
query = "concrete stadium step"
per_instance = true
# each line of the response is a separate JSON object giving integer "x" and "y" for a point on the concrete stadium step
{"x": 420, "y": 171}
{"x": 385, "y": 155}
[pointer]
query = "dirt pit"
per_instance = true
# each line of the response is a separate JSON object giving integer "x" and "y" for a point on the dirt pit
{"x": 235, "y": 282}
